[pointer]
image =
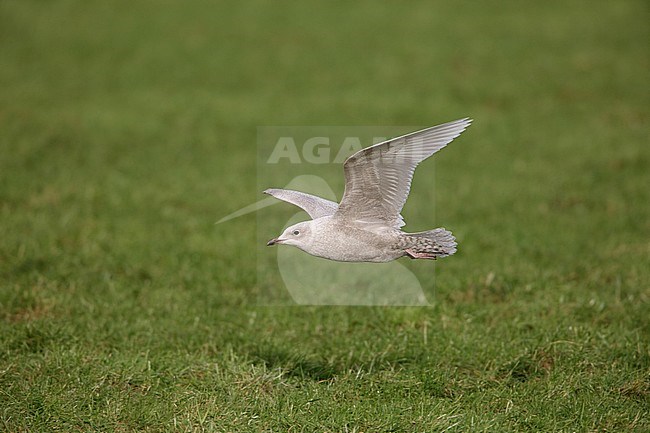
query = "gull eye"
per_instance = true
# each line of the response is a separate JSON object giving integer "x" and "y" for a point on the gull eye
{"x": 296, "y": 232}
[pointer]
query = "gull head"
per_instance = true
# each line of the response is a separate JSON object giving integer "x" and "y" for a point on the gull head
{"x": 298, "y": 235}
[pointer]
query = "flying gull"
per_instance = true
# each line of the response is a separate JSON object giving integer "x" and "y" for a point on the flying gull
{"x": 366, "y": 225}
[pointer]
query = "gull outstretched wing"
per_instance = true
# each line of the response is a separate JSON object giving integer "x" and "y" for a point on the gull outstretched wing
{"x": 378, "y": 178}
{"x": 315, "y": 206}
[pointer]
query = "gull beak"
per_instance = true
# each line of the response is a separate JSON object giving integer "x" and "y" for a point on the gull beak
{"x": 273, "y": 242}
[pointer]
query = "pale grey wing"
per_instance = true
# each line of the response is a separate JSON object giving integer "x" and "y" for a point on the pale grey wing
{"x": 315, "y": 206}
{"x": 378, "y": 178}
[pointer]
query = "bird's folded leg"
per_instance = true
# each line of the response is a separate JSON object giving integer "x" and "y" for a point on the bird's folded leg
{"x": 412, "y": 254}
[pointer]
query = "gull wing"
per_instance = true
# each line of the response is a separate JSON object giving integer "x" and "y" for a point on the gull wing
{"x": 315, "y": 206}
{"x": 378, "y": 178}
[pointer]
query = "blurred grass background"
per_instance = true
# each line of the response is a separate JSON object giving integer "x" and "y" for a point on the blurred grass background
{"x": 128, "y": 128}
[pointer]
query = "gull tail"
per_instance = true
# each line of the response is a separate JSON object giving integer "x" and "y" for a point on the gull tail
{"x": 431, "y": 244}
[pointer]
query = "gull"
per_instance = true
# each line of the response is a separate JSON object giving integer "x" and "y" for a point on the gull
{"x": 366, "y": 225}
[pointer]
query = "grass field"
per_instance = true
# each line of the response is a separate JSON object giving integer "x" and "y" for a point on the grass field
{"x": 128, "y": 128}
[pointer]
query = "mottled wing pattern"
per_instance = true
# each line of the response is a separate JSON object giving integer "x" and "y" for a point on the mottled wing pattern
{"x": 378, "y": 178}
{"x": 315, "y": 206}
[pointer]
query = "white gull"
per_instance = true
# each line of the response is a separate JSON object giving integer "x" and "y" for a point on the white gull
{"x": 366, "y": 225}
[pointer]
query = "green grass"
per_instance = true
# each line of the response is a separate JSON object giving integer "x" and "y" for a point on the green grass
{"x": 127, "y": 129}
